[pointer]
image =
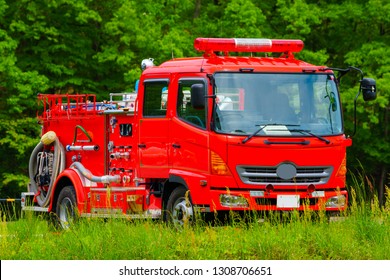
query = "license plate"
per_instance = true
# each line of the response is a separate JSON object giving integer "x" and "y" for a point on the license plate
{"x": 287, "y": 201}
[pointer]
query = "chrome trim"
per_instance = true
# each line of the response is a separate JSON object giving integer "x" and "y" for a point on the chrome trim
{"x": 263, "y": 175}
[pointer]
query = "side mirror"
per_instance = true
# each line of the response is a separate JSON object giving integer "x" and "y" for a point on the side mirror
{"x": 368, "y": 87}
{"x": 198, "y": 95}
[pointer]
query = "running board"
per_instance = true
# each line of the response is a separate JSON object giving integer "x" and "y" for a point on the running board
{"x": 150, "y": 214}
{"x": 35, "y": 208}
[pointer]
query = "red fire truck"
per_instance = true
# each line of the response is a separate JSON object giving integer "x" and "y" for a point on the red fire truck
{"x": 201, "y": 135}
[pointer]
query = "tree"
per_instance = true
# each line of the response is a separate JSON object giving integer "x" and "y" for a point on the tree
{"x": 367, "y": 26}
{"x": 18, "y": 131}
{"x": 96, "y": 46}
{"x": 57, "y": 39}
{"x": 372, "y": 145}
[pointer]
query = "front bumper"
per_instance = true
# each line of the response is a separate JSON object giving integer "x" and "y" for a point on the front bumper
{"x": 254, "y": 200}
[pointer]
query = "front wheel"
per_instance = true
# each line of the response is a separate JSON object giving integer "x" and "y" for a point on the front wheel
{"x": 66, "y": 209}
{"x": 179, "y": 208}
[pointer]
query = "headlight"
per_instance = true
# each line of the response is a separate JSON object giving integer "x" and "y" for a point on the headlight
{"x": 336, "y": 202}
{"x": 233, "y": 200}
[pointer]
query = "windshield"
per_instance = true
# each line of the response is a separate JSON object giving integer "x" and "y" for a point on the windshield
{"x": 277, "y": 104}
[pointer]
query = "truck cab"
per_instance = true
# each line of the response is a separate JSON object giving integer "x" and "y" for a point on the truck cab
{"x": 265, "y": 133}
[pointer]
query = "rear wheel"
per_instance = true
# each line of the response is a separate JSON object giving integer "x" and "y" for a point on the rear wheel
{"x": 179, "y": 207}
{"x": 66, "y": 207}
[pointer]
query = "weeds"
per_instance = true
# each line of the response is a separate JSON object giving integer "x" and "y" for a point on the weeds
{"x": 9, "y": 210}
{"x": 362, "y": 234}
{"x": 359, "y": 233}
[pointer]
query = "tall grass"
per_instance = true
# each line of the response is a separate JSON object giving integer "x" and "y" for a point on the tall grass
{"x": 360, "y": 233}
{"x": 10, "y": 210}
{"x": 363, "y": 233}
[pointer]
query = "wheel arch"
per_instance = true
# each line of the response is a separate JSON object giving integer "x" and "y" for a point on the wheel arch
{"x": 173, "y": 182}
{"x": 68, "y": 177}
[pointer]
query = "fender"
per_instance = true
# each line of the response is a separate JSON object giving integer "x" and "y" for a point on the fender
{"x": 192, "y": 181}
{"x": 75, "y": 180}
{"x": 173, "y": 178}
{"x": 185, "y": 178}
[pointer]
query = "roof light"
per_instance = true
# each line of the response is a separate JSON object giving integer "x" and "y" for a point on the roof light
{"x": 247, "y": 45}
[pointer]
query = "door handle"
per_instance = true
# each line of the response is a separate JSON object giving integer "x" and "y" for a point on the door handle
{"x": 141, "y": 146}
{"x": 177, "y": 146}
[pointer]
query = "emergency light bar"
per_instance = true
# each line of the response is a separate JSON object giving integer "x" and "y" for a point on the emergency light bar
{"x": 247, "y": 45}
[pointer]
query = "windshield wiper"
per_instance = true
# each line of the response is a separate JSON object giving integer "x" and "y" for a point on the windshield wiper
{"x": 312, "y": 134}
{"x": 261, "y": 128}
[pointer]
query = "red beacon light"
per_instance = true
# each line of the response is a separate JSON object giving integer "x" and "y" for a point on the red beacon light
{"x": 210, "y": 45}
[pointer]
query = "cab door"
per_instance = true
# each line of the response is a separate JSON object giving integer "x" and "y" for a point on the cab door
{"x": 153, "y": 130}
{"x": 188, "y": 132}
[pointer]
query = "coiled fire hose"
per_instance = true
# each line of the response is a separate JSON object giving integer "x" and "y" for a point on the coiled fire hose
{"x": 49, "y": 138}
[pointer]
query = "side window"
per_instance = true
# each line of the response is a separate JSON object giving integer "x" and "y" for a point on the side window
{"x": 185, "y": 111}
{"x": 155, "y": 98}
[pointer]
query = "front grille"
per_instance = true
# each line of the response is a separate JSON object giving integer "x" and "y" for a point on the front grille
{"x": 260, "y": 175}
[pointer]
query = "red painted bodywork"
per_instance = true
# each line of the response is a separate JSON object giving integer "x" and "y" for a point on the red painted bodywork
{"x": 163, "y": 148}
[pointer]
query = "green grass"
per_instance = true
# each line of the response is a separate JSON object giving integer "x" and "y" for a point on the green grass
{"x": 363, "y": 234}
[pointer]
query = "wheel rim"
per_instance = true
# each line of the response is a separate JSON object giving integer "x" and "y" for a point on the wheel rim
{"x": 182, "y": 212}
{"x": 66, "y": 212}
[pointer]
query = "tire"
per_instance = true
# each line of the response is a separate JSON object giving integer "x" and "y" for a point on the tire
{"x": 66, "y": 209}
{"x": 179, "y": 208}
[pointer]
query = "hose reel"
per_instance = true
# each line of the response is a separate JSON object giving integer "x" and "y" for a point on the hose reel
{"x": 46, "y": 161}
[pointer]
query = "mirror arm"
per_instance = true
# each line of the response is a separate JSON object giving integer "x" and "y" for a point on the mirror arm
{"x": 354, "y": 112}
{"x": 343, "y": 72}
{"x": 355, "y": 100}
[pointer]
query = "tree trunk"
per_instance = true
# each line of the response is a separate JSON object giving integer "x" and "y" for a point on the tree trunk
{"x": 384, "y": 171}
{"x": 382, "y": 183}
{"x": 198, "y": 4}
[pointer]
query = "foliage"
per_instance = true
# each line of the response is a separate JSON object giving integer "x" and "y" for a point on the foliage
{"x": 59, "y": 46}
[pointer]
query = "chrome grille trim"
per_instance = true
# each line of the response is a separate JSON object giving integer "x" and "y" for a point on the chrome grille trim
{"x": 263, "y": 175}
